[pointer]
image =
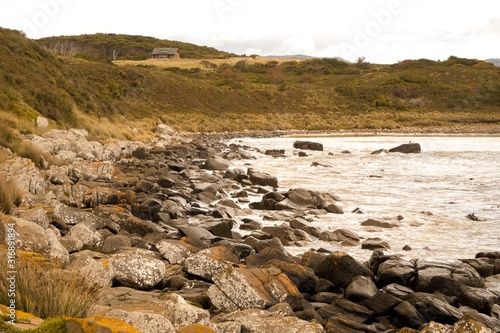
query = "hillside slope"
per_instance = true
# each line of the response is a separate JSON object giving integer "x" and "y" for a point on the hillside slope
{"x": 107, "y": 47}
{"x": 317, "y": 94}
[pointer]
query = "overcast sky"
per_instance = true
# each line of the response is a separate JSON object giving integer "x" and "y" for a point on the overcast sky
{"x": 382, "y": 31}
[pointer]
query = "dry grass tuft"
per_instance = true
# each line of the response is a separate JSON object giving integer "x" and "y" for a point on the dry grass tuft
{"x": 46, "y": 290}
{"x": 10, "y": 194}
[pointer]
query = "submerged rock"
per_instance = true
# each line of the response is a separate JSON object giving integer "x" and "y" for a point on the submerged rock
{"x": 407, "y": 148}
{"x": 308, "y": 145}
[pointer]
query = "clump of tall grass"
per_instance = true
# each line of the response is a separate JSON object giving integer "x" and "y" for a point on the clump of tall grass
{"x": 10, "y": 194}
{"x": 28, "y": 150}
{"x": 10, "y": 128}
{"x": 44, "y": 289}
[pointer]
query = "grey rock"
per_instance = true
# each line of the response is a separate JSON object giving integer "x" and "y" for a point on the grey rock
{"x": 395, "y": 270}
{"x": 409, "y": 315}
{"x": 308, "y": 145}
{"x": 382, "y": 302}
{"x": 305, "y": 198}
{"x": 347, "y": 309}
{"x": 456, "y": 270}
{"x": 96, "y": 271}
{"x": 303, "y": 277}
{"x": 246, "y": 288}
{"x": 37, "y": 215}
{"x": 87, "y": 233}
{"x": 114, "y": 243}
{"x": 433, "y": 308}
{"x": 71, "y": 244}
{"x": 173, "y": 250}
{"x": 263, "y": 257}
{"x": 215, "y": 164}
{"x": 138, "y": 269}
{"x": 360, "y": 289}
{"x": 375, "y": 223}
{"x": 261, "y": 321}
{"x": 407, "y": 148}
{"x": 210, "y": 262}
{"x": 374, "y": 244}
{"x": 146, "y": 320}
{"x": 341, "y": 269}
{"x": 262, "y": 178}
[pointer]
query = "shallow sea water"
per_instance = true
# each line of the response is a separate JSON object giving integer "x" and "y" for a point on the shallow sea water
{"x": 433, "y": 191}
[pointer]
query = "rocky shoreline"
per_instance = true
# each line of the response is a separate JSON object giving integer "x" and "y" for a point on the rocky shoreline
{"x": 165, "y": 230}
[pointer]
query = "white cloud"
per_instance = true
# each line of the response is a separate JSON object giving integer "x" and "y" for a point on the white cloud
{"x": 380, "y": 30}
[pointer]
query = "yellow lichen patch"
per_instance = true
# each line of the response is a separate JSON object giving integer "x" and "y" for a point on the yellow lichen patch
{"x": 32, "y": 257}
{"x": 23, "y": 320}
{"x": 196, "y": 328}
{"x": 97, "y": 324}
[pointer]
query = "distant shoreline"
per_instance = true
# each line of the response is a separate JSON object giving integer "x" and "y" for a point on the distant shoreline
{"x": 333, "y": 134}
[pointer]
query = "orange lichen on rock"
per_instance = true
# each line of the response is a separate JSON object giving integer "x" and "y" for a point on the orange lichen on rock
{"x": 97, "y": 324}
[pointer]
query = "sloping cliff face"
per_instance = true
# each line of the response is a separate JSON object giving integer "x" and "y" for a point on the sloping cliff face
{"x": 117, "y": 46}
{"x": 73, "y": 48}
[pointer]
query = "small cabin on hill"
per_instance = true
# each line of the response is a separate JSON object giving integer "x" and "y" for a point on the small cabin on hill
{"x": 165, "y": 52}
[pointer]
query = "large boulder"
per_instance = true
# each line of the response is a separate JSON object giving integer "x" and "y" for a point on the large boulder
{"x": 375, "y": 223}
{"x": 484, "y": 266}
{"x": 28, "y": 177}
{"x": 115, "y": 242}
{"x": 407, "y": 148}
{"x": 94, "y": 267}
{"x": 395, "y": 270}
{"x": 143, "y": 317}
{"x": 433, "y": 308}
{"x": 305, "y": 198}
{"x": 303, "y": 277}
{"x": 345, "y": 237}
{"x": 246, "y": 288}
{"x": 181, "y": 313}
{"x": 262, "y": 178}
{"x": 455, "y": 270}
{"x": 87, "y": 233}
{"x": 197, "y": 236}
{"x": 29, "y": 236}
{"x": 165, "y": 314}
{"x": 261, "y": 321}
{"x": 308, "y": 145}
{"x": 138, "y": 269}
{"x": 70, "y": 215}
{"x": 463, "y": 325}
{"x": 343, "y": 308}
{"x": 219, "y": 227}
{"x": 341, "y": 269}
{"x": 360, "y": 289}
{"x": 210, "y": 262}
{"x": 98, "y": 324}
{"x": 269, "y": 253}
{"x": 174, "y": 251}
{"x": 37, "y": 215}
{"x": 304, "y": 225}
{"x": 94, "y": 171}
{"x": 214, "y": 164}
{"x": 94, "y": 197}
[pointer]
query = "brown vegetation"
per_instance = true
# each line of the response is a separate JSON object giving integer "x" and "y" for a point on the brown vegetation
{"x": 252, "y": 93}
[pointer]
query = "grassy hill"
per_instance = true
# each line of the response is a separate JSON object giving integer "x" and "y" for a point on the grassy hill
{"x": 107, "y": 47}
{"x": 129, "y": 99}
